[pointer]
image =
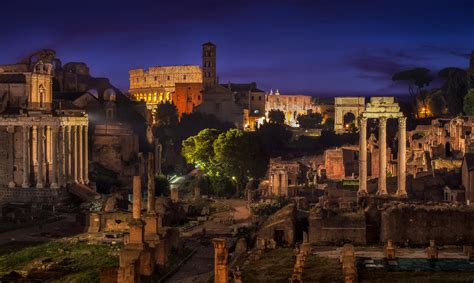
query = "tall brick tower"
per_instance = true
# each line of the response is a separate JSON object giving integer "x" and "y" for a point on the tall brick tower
{"x": 209, "y": 76}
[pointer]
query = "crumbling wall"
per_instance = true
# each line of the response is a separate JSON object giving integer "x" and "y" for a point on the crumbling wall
{"x": 283, "y": 220}
{"x": 337, "y": 228}
{"x": 418, "y": 224}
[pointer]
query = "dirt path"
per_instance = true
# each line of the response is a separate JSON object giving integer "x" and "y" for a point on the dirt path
{"x": 198, "y": 268}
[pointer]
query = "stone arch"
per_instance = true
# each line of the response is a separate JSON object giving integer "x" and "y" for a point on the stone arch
{"x": 344, "y": 105}
{"x": 349, "y": 118}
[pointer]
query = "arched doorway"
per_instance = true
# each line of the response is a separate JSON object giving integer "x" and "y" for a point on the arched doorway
{"x": 349, "y": 120}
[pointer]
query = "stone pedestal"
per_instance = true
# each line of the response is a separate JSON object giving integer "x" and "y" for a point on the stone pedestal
{"x": 432, "y": 251}
{"x": 93, "y": 222}
{"x": 390, "y": 251}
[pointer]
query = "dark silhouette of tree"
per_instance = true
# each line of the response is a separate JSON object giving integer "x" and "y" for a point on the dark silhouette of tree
{"x": 469, "y": 103}
{"x": 273, "y": 137}
{"x": 310, "y": 121}
{"x": 455, "y": 87}
{"x": 276, "y": 116}
{"x": 419, "y": 77}
{"x": 437, "y": 104}
{"x": 166, "y": 114}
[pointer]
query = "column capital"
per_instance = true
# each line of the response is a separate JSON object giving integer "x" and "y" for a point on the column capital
{"x": 383, "y": 121}
{"x": 402, "y": 122}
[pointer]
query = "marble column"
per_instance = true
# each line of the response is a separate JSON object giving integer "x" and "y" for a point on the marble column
{"x": 11, "y": 154}
{"x": 362, "y": 156}
{"x": 39, "y": 152}
{"x": 79, "y": 155}
{"x": 61, "y": 156}
{"x": 402, "y": 157}
{"x": 54, "y": 157}
{"x": 73, "y": 154}
{"x": 137, "y": 198}
{"x": 382, "y": 185}
{"x": 26, "y": 157}
{"x": 85, "y": 155}
{"x": 67, "y": 152}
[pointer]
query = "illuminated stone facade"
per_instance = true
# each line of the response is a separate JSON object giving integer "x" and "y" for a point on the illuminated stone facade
{"x": 342, "y": 107}
{"x": 292, "y": 105}
{"x": 157, "y": 84}
{"x": 41, "y": 146}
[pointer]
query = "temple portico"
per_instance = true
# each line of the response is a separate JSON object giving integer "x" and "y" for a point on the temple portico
{"x": 40, "y": 156}
{"x": 382, "y": 108}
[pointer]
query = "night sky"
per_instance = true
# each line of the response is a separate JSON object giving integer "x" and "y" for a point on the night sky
{"x": 313, "y": 47}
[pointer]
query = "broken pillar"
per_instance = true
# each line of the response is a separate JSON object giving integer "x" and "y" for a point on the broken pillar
{"x": 432, "y": 250}
{"x": 390, "y": 250}
{"x": 221, "y": 260}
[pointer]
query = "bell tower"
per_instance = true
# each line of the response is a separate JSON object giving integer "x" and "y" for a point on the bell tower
{"x": 209, "y": 76}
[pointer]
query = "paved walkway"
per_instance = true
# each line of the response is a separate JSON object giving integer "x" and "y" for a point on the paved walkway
{"x": 378, "y": 252}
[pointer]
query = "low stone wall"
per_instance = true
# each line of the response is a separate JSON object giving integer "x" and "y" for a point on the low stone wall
{"x": 337, "y": 229}
{"x": 419, "y": 224}
{"x": 33, "y": 195}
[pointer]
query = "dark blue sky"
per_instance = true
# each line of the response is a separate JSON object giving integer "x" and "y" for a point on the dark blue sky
{"x": 314, "y": 47}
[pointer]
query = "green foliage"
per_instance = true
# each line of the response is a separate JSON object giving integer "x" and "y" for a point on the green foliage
{"x": 162, "y": 185}
{"x": 199, "y": 149}
{"x": 266, "y": 209}
{"x": 86, "y": 260}
{"x": 310, "y": 121}
{"x": 240, "y": 156}
{"x": 276, "y": 116}
{"x": 105, "y": 179}
{"x": 469, "y": 103}
{"x": 273, "y": 137}
{"x": 166, "y": 114}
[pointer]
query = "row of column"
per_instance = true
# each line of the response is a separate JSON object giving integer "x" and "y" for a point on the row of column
{"x": 69, "y": 155}
{"x": 382, "y": 181}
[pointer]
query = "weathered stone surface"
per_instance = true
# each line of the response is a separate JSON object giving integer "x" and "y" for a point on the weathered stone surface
{"x": 280, "y": 227}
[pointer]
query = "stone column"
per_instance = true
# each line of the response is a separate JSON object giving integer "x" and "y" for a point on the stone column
{"x": 39, "y": 152}
{"x": 74, "y": 154}
{"x": 137, "y": 197}
{"x": 362, "y": 156}
{"x": 85, "y": 155}
{"x": 382, "y": 185}
{"x": 80, "y": 156}
{"x": 221, "y": 258}
{"x": 402, "y": 157}
{"x": 11, "y": 154}
{"x": 54, "y": 157}
{"x": 151, "y": 185}
{"x": 26, "y": 157}
{"x": 67, "y": 152}
{"x": 61, "y": 156}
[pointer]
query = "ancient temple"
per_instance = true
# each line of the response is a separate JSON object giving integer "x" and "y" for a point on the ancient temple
{"x": 42, "y": 147}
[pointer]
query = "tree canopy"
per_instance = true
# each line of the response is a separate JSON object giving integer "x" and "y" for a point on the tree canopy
{"x": 166, "y": 114}
{"x": 199, "y": 149}
{"x": 273, "y": 137}
{"x": 469, "y": 103}
{"x": 455, "y": 87}
{"x": 310, "y": 121}
{"x": 276, "y": 116}
{"x": 420, "y": 77}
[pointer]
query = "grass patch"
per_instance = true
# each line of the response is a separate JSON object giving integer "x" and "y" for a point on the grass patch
{"x": 273, "y": 266}
{"x": 321, "y": 269}
{"x": 86, "y": 261}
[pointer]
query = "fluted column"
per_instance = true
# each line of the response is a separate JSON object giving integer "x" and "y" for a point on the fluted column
{"x": 39, "y": 153}
{"x": 73, "y": 154}
{"x": 54, "y": 157}
{"x": 382, "y": 185}
{"x": 67, "y": 151}
{"x": 61, "y": 156}
{"x": 85, "y": 155}
{"x": 402, "y": 157}
{"x": 26, "y": 157}
{"x": 362, "y": 156}
{"x": 79, "y": 155}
